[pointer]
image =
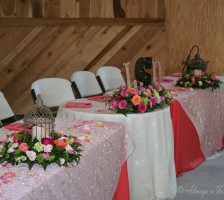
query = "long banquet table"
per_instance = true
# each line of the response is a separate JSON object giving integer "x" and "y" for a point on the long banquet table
{"x": 151, "y": 168}
{"x": 95, "y": 177}
{"x": 197, "y": 117}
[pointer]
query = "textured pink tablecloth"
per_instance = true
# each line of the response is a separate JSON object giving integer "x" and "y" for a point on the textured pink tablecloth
{"x": 95, "y": 177}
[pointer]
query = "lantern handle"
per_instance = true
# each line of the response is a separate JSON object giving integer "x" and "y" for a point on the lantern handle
{"x": 188, "y": 57}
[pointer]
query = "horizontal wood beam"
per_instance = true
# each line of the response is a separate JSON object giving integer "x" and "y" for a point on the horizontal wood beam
{"x": 78, "y": 21}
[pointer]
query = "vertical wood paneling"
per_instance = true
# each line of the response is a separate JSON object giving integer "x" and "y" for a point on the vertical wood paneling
{"x": 84, "y": 9}
{"x": 195, "y": 22}
{"x": 7, "y": 7}
{"x": 70, "y": 9}
{"x": 37, "y": 8}
{"x": 22, "y": 7}
{"x": 52, "y": 8}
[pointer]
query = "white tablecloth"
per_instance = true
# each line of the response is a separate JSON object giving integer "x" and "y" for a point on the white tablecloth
{"x": 151, "y": 168}
{"x": 205, "y": 108}
{"x": 95, "y": 177}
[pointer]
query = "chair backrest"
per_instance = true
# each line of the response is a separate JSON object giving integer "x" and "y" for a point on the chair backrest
{"x": 111, "y": 77}
{"x": 53, "y": 91}
{"x": 5, "y": 109}
{"x": 86, "y": 83}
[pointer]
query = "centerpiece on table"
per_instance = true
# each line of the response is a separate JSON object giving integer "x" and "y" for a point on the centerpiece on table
{"x": 19, "y": 147}
{"x": 39, "y": 143}
{"x": 196, "y": 76}
{"x": 198, "y": 79}
{"x": 138, "y": 99}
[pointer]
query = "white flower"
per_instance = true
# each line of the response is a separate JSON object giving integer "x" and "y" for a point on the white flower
{"x": 62, "y": 138}
{"x": 10, "y": 139}
{"x": 31, "y": 155}
{"x": 15, "y": 145}
{"x": 68, "y": 147}
{"x": 62, "y": 161}
{"x": 200, "y": 83}
{"x": 10, "y": 150}
{"x": 48, "y": 148}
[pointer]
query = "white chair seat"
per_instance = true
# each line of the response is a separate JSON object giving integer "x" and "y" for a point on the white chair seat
{"x": 86, "y": 82}
{"x": 53, "y": 91}
{"x": 111, "y": 77}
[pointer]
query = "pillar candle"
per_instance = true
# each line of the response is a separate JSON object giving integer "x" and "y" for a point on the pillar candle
{"x": 126, "y": 65}
{"x": 38, "y": 132}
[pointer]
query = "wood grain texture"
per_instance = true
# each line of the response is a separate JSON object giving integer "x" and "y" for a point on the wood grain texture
{"x": 83, "y": 8}
{"x": 22, "y": 8}
{"x": 195, "y": 22}
{"x": 7, "y": 7}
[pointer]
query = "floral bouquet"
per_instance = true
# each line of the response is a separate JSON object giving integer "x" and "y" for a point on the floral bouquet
{"x": 198, "y": 79}
{"x": 20, "y": 148}
{"x": 138, "y": 100}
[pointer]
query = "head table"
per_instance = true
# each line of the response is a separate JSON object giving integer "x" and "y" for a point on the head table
{"x": 197, "y": 117}
{"x": 95, "y": 177}
{"x": 151, "y": 168}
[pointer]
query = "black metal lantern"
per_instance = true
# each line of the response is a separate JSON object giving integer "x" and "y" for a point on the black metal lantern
{"x": 196, "y": 63}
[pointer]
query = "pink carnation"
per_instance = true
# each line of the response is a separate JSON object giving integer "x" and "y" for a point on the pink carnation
{"x": 23, "y": 147}
{"x": 124, "y": 94}
{"x": 153, "y": 100}
{"x": 122, "y": 104}
{"x": 142, "y": 107}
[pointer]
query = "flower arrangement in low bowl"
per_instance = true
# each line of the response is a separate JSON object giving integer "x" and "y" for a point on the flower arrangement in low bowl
{"x": 138, "y": 99}
{"x": 198, "y": 79}
{"x": 19, "y": 147}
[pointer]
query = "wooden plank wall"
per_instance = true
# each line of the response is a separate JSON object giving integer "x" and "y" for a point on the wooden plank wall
{"x": 195, "y": 22}
{"x": 37, "y": 51}
{"x": 82, "y": 8}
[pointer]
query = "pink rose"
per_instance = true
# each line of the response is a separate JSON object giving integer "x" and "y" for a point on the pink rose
{"x": 23, "y": 147}
{"x": 122, "y": 104}
{"x": 142, "y": 107}
{"x": 45, "y": 155}
{"x": 47, "y": 141}
{"x": 124, "y": 94}
{"x": 162, "y": 98}
{"x": 153, "y": 100}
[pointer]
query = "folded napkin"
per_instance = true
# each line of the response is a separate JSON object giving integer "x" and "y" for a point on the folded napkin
{"x": 18, "y": 127}
{"x": 98, "y": 98}
{"x": 176, "y": 74}
{"x": 78, "y": 105}
{"x": 166, "y": 80}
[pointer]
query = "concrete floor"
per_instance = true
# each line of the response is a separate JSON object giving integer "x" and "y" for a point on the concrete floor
{"x": 205, "y": 182}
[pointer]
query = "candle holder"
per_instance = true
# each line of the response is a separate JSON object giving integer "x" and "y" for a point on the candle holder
{"x": 41, "y": 119}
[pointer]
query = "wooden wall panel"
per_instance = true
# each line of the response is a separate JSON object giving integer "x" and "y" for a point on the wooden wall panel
{"x": 33, "y": 51}
{"x": 81, "y": 8}
{"x": 195, "y": 22}
{"x": 58, "y": 51}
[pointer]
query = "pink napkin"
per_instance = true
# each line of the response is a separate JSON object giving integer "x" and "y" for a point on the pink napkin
{"x": 98, "y": 98}
{"x": 78, "y": 105}
{"x": 18, "y": 127}
{"x": 176, "y": 74}
{"x": 166, "y": 80}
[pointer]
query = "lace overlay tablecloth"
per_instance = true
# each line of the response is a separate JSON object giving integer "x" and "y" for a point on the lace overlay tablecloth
{"x": 205, "y": 109}
{"x": 151, "y": 168}
{"x": 95, "y": 177}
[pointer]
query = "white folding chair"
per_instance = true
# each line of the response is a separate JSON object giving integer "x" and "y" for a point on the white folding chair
{"x": 85, "y": 83}
{"x": 5, "y": 109}
{"x": 53, "y": 91}
{"x": 111, "y": 77}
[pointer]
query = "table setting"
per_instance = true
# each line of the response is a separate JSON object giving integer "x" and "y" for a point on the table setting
{"x": 151, "y": 168}
{"x": 93, "y": 172}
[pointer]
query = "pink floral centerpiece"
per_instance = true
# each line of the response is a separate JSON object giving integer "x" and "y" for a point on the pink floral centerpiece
{"x": 138, "y": 99}
{"x": 19, "y": 147}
